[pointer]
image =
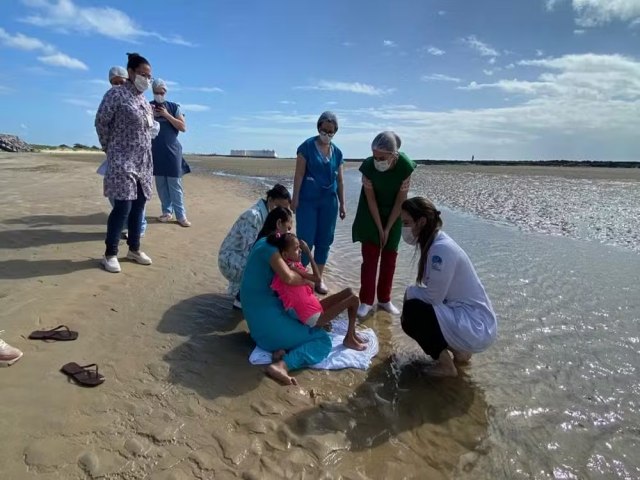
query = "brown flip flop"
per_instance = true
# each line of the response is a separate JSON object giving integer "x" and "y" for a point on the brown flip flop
{"x": 83, "y": 374}
{"x": 61, "y": 334}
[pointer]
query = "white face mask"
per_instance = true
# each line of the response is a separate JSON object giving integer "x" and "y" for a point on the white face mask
{"x": 408, "y": 236}
{"x": 324, "y": 138}
{"x": 158, "y": 98}
{"x": 142, "y": 83}
{"x": 382, "y": 165}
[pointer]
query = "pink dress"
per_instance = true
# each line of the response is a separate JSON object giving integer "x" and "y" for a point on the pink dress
{"x": 299, "y": 298}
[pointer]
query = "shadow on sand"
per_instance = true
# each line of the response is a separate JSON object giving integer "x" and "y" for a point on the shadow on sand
{"x": 213, "y": 361}
{"x": 389, "y": 403}
{"x": 19, "y": 269}
{"x": 99, "y": 218}
{"x": 45, "y": 236}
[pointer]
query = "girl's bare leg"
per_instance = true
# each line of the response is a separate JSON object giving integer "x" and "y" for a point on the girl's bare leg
{"x": 334, "y": 306}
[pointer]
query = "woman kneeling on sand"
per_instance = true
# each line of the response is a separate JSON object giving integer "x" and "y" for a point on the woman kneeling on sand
{"x": 447, "y": 310}
{"x": 270, "y": 326}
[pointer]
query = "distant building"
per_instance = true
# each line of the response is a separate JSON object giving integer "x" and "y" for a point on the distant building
{"x": 254, "y": 153}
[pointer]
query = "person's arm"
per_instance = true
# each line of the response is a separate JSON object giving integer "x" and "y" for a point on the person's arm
{"x": 314, "y": 277}
{"x": 440, "y": 267}
{"x": 397, "y": 206}
{"x": 287, "y": 275}
{"x": 370, "y": 195}
{"x": 178, "y": 121}
{"x": 301, "y": 168}
{"x": 104, "y": 117}
{"x": 343, "y": 210}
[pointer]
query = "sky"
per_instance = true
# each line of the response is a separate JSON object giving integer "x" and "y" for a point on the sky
{"x": 497, "y": 79}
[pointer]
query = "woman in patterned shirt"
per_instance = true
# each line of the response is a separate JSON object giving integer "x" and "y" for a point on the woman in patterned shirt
{"x": 124, "y": 122}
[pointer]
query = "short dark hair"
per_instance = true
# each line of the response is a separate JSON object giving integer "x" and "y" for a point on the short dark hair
{"x": 135, "y": 60}
{"x": 279, "y": 192}
{"x": 270, "y": 224}
{"x": 281, "y": 241}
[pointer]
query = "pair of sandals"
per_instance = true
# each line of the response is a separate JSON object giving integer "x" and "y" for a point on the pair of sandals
{"x": 84, "y": 375}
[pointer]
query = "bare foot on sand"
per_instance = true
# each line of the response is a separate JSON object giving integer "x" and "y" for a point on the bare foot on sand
{"x": 277, "y": 355}
{"x": 362, "y": 339}
{"x": 353, "y": 343}
{"x": 440, "y": 370}
{"x": 460, "y": 357}
{"x": 278, "y": 371}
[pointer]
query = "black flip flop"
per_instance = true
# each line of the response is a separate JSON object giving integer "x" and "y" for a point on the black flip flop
{"x": 61, "y": 334}
{"x": 83, "y": 375}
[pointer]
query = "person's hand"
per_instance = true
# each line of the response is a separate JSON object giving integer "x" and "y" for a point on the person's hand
{"x": 294, "y": 204}
{"x": 386, "y": 236}
{"x": 304, "y": 247}
{"x": 343, "y": 212}
{"x": 160, "y": 111}
{"x": 383, "y": 237}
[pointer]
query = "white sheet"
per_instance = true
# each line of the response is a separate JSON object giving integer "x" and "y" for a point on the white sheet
{"x": 340, "y": 357}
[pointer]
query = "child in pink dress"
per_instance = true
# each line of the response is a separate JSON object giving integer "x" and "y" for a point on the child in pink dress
{"x": 301, "y": 300}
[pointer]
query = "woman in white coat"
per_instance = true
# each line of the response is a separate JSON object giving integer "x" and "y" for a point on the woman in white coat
{"x": 447, "y": 311}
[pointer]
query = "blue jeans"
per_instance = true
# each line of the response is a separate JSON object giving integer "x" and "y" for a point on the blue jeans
{"x": 316, "y": 225}
{"x": 143, "y": 227}
{"x": 130, "y": 211}
{"x": 171, "y": 196}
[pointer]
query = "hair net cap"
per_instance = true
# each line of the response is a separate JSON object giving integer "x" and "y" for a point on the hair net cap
{"x": 328, "y": 117}
{"x": 387, "y": 142}
{"x": 118, "y": 72}
{"x": 159, "y": 83}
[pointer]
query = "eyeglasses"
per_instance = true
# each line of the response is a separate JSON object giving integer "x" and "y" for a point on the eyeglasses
{"x": 328, "y": 134}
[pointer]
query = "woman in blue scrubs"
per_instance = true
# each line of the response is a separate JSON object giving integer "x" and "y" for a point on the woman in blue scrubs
{"x": 318, "y": 192}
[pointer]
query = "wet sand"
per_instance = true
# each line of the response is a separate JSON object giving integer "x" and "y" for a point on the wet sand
{"x": 180, "y": 399}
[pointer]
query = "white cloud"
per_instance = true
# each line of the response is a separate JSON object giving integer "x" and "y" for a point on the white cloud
{"x": 193, "y": 107}
{"x": 354, "y": 87}
{"x": 79, "y": 102}
{"x": 287, "y": 102}
{"x": 539, "y": 53}
{"x": 23, "y": 126}
{"x": 441, "y": 12}
{"x": 205, "y": 89}
{"x": 63, "y": 60}
{"x": 576, "y": 107}
{"x": 4, "y": 90}
{"x": 65, "y": 16}
{"x": 484, "y": 49}
{"x": 439, "y": 77}
{"x": 579, "y": 31}
{"x": 435, "y": 51}
{"x": 593, "y": 13}
{"x": 348, "y": 44}
{"x": 389, "y": 43}
{"x": 51, "y": 55}
{"x": 91, "y": 112}
{"x": 488, "y": 73}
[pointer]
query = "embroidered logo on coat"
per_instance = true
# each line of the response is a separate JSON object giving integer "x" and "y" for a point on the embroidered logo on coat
{"x": 436, "y": 262}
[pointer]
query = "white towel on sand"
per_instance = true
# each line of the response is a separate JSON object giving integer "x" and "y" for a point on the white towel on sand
{"x": 340, "y": 356}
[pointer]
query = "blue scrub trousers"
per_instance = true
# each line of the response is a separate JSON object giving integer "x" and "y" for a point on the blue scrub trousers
{"x": 316, "y": 225}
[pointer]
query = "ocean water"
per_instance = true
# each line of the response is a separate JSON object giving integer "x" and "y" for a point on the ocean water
{"x": 558, "y": 395}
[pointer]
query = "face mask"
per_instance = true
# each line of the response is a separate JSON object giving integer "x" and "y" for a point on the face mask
{"x": 408, "y": 236}
{"x": 324, "y": 138}
{"x": 141, "y": 83}
{"x": 158, "y": 98}
{"x": 382, "y": 165}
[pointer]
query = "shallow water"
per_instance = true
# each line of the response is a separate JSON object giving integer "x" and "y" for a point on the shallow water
{"x": 557, "y": 395}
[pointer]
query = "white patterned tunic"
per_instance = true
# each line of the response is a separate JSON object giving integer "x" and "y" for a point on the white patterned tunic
{"x": 123, "y": 123}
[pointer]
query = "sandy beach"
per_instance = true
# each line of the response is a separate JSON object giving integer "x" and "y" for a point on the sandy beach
{"x": 180, "y": 399}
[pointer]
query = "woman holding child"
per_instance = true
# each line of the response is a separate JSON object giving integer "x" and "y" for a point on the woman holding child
{"x": 270, "y": 326}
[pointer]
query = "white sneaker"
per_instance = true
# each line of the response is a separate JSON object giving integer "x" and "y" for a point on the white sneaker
{"x": 111, "y": 264}
{"x": 139, "y": 257}
{"x": 8, "y": 354}
{"x": 364, "y": 310}
{"x": 389, "y": 307}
